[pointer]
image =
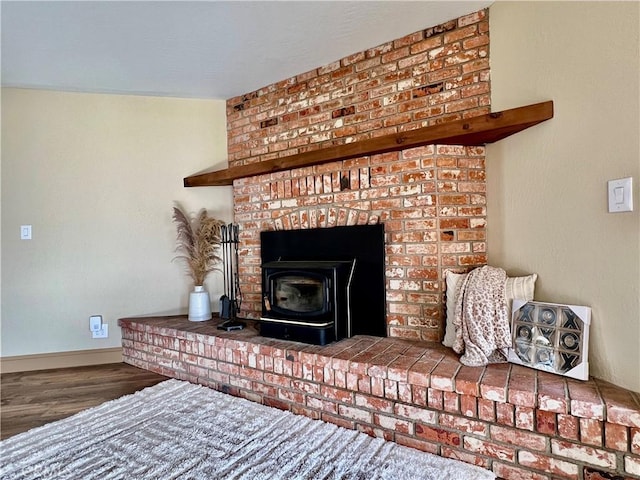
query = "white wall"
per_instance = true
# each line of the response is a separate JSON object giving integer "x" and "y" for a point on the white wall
{"x": 97, "y": 176}
{"x": 547, "y": 201}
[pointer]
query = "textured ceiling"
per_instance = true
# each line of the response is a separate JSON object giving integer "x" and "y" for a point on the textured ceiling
{"x": 206, "y": 49}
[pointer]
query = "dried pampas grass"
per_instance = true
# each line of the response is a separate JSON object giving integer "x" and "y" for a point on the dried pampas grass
{"x": 198, "y": 243}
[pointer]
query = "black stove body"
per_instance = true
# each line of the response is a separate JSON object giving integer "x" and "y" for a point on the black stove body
{"x": 321, "y": 285}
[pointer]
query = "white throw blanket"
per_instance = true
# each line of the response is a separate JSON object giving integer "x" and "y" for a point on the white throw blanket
{"x": 482, "y": 328}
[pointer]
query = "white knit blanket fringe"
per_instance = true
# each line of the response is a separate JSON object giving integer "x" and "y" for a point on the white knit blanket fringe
{"x": 483, "y": 334}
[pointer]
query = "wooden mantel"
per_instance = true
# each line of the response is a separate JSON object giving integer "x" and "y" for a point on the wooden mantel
{"x": 479, "y": 130}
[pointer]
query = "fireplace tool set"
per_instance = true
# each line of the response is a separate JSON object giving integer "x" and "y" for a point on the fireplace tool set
{"x": 231, "y": 300}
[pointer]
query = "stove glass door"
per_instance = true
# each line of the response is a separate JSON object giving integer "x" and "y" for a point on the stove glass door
{"x": 298, "y": 293}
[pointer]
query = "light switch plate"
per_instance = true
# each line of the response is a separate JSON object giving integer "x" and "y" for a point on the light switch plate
{"x": 25, "y": 232}
{"x": 620, "y": 195}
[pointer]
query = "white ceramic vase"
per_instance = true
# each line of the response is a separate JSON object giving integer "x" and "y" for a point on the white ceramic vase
{"x": 199, "y": 305}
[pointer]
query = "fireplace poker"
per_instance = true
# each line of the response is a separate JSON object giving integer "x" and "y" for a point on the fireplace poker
{"x": 237, "y": 295}
{"x": 230, "y": 269}
{"x": 229, "y": 305}
{"x": 223, "y": 235}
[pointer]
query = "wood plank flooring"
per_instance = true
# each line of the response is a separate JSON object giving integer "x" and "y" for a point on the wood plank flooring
{"x": 32, "y": 399}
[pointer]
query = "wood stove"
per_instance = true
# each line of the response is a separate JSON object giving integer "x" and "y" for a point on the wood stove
{"x": 321, "y": 285}
{"x": 307, "y": 300}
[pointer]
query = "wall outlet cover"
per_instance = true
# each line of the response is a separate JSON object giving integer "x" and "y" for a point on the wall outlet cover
{"x": 95, "y": 323}
{"x": 102, "y": 333}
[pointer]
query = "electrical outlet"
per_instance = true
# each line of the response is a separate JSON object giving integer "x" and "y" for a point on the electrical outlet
{"x": 102, "y": 333}
{"x": 95, "y": 323}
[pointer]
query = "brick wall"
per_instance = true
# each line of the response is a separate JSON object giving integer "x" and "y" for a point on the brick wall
{"x": 518, "y": 422}
{"x": 431, "y": 199}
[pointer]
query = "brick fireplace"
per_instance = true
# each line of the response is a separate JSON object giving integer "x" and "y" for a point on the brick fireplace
{"x": 431, "y": 199}
{"x": 518, "y": 422}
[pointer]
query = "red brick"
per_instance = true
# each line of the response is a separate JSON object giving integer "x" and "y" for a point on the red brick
{"x": 466, "y": 457}
{"x": 524, "y": 417}
{"x": 336, "y": 420}
{"x": 413, "y": 413}
{"x": 616, "y": 437}
{"x": 420, "y": 372}
{"x": 585, "y": 400}
{"x": 467, "y": 380}
{"x": 321, "y": 404}
{"x": 276, "y": 403}
{"x": 419, "y": 395}
{"x": 203, "y": 372}
{"x": 263, "y": 389}
{"x": 364, "y": 384}
{"x": 391, "y": 389}
{"x": 546, "y": 422}
{"x": 451, "y": 402}
{"x": 377, "y": 387}
{"x": 568, "y": 426}
{"x": 510, "y": 472}
{"x": 596, "y": 474}
{"x": 356, "y": 414}
{"x": 622, "y": 407}
{"x": 494, "y": 383}
{"x": 581, "y": 453}
{"x": 548, "y": 464}
{"x": 505, "y": 414}
{"x": 276, "y": 379}
{"x": 438, "y": 435}
{"x": 306, "y": 387}
{"x": 222, "y": 378}
{"x": 635, "y": 440}
{"x": 464, "y": 425}
{"x": 398, "y": 369}
{"x": 252, "y": 373}
{"x": 632, "y": 465}
{"x": 300, "y": 410}
{"x": 418, "y": 444}
{"x": 337, "y": 394}
{"x": 490, "y": 449}
{"x": 352, "y": 381}
{"x": 393, "y": 424}
{"x": 375, "y": 431}
{"x": 468, "y": 406}
{"x": 514, "y": 436}
{"x": 486, "y": 410}
{"x": 404, "y": 392}
{"x": 373, "y": 403}
{"x": 591, "y": 431}
{"x": 328, "y": 375}
{"x": 442, "y": 377}
{"x": 241, "y": 383}
{"x": 290, "y": 396}
{"x": 522, "y": 387}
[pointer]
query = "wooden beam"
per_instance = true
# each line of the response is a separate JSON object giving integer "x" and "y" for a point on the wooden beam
{"x": 478, "y": 130}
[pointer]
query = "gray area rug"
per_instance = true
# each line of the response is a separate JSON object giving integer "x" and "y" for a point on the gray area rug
{"x": 179, "y": 430}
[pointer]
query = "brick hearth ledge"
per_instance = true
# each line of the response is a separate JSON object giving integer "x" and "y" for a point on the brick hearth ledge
{"x": 518, "y": 422}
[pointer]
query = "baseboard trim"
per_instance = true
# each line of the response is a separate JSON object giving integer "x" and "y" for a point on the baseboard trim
{"x": 47, "y": 361}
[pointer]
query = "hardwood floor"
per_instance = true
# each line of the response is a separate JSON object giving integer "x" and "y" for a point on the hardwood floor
{"x": 31, "y": 399}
